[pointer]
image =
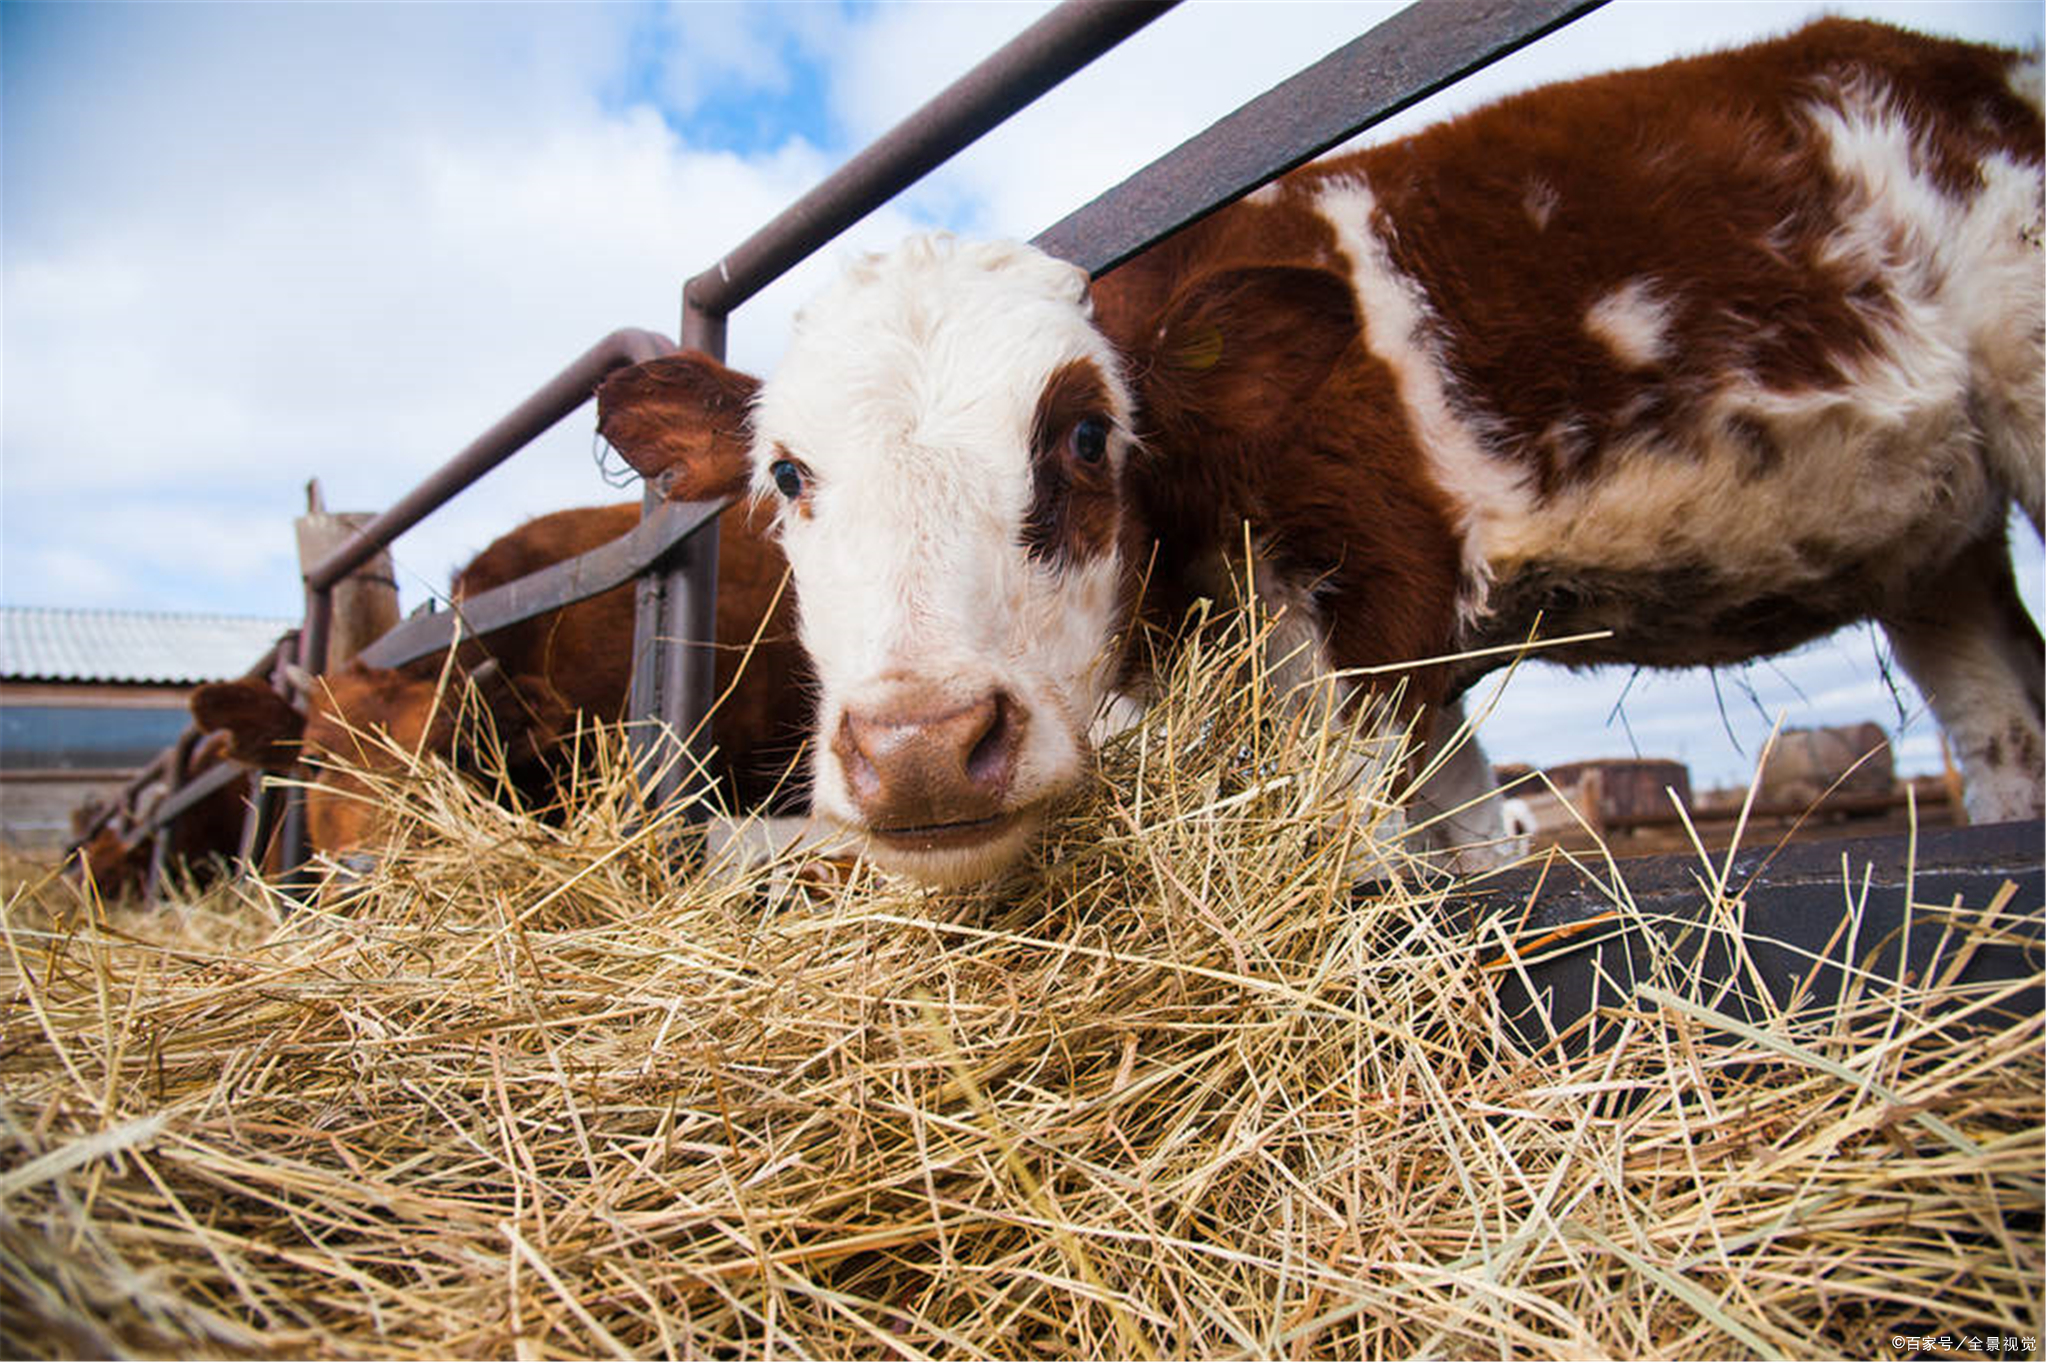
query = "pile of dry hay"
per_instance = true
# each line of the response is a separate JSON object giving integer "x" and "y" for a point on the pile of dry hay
{"x": 535, "y": 1090}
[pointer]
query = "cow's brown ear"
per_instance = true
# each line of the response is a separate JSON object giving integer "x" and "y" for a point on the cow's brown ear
{"x": 1238, "y": 350}
{"x": 261, "y": 726}
{"x": 681, "y": 422}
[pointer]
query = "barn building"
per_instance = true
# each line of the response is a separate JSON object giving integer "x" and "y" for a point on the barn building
{"x": 87, "y": 697}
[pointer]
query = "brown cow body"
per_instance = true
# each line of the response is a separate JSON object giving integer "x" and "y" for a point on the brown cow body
{"x": 1718, "y": 356}
{"x": 533, "y": 681}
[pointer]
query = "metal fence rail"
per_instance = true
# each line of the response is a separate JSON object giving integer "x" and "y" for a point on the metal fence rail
{"x": 1418, "y": 51}
{"x": 1046, "y": 53}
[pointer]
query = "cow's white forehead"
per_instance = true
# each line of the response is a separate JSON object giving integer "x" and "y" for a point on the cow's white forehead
{"x": 936, "y": 350}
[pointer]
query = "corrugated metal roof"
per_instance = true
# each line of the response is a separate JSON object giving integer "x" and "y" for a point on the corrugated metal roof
{"x": 39, "y": 643}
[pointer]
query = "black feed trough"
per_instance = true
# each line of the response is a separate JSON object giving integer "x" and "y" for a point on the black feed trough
{"x": 1808, "y": 925}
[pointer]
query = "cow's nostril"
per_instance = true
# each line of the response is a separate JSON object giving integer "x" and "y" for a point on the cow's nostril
{"x": 851, "y": 747}
{"x": 993, "y": 754}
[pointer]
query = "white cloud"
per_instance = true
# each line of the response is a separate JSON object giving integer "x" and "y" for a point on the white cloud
{"x": 711, "y": 51}
{"x": 218, "y": 327}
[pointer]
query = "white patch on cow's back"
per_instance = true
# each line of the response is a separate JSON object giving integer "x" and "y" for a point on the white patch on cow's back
{"x": 2028, "y": 81}
{"x": 1632, "y": 322}
{"x": 1487, "y": 492}
{"x": 1540, "y": 200}
{"x": 1966, "y": 274}
{"x": 1892, "y": 453}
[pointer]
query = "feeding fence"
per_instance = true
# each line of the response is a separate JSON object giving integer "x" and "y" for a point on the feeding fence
{"x": 673, "y": 554}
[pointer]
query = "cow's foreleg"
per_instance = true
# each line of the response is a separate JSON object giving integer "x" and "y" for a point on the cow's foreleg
{"x": 1976, "y": 654}
{"x": 1457, "y": 810}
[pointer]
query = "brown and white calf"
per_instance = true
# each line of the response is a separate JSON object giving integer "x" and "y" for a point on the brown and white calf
{"x": 1718, "y": 356}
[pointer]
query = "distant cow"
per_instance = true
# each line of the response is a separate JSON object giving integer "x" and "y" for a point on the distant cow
{"x": 1719, "y": 356}
{"x": 110, "y": 851}
{"x": 534, "y": 678}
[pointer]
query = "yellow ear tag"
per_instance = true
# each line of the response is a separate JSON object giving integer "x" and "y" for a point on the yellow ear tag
{"x": 1200, "y": 350}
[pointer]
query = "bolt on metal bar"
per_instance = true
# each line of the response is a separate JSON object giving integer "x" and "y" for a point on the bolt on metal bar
{"x": 1418, "y": 51}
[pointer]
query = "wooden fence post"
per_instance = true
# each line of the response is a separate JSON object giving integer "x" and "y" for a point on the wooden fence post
{"x": 366, "y": 600}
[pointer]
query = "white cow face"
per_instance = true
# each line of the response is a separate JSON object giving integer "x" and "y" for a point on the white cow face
{"x": 948, "y": 443}
{"x": 946, "y": 439}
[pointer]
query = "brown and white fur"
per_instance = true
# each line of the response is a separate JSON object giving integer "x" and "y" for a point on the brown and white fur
{"x": 1718, "y": 356}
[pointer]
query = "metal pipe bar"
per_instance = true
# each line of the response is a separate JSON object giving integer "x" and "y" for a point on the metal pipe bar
{"x": 686, "y": 673}
{"x": 211, "y": 780}
{"x": 1036, "y": 59}
{"x": 294, "y": 842}
{"x": 1421, "y": 49}
{"x": 558, "y": 397}
{"x": 312, "y": 634}
{"x": 259, "y": 824}
{"x": 674, "y": 626}
{"x": 647, "y": 547}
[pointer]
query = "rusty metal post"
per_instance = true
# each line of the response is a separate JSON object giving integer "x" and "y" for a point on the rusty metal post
{"x": 293, "y": 851}
{"x": 159, "y": 859}
{"x": 674, "y": 654}
{"x": 674, "y": 659}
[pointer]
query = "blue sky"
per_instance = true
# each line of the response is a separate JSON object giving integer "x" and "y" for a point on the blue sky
{"x": 246, "y": 245}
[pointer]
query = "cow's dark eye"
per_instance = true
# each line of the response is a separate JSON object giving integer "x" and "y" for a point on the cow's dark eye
{"x": 788, "y": 477}
{"x": 1090, "y": 439}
